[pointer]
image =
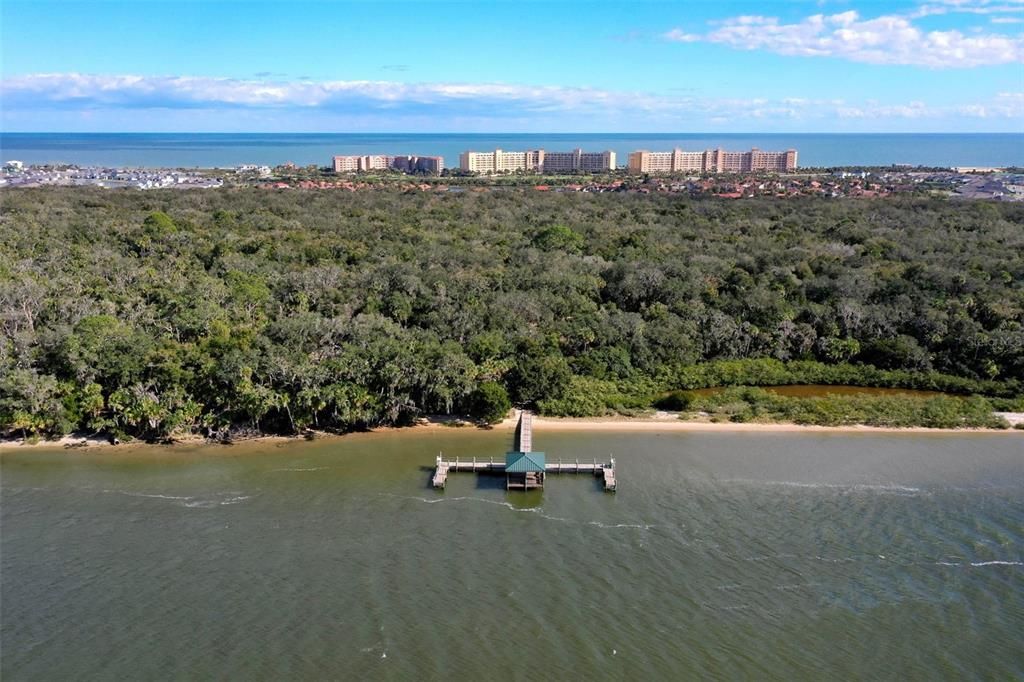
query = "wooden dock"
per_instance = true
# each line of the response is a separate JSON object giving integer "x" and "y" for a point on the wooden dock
{"x": 525, "y": 429}
{"x": 606, "y": 470}
{"x": 524, "y": 438}
{"x": 441, "y": 473}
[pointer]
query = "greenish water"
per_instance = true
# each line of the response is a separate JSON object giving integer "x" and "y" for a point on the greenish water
{"x": 723, "y": 555}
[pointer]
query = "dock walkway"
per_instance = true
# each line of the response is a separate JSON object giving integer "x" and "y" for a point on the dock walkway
{"x": 524, "y": 438}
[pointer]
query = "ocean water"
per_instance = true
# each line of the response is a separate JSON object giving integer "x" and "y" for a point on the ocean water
{"x": 778, "y": 556}
{"x": 229, "y": 149}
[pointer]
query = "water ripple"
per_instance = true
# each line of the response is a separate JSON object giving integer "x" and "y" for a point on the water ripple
{"x": 301, "y": 469}
{"x": 189, "y": 501}
{"x": 526, "y": 510}
{"x": 844, "y": 488}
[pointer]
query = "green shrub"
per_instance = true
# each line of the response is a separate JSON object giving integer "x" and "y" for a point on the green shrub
{"x": 743, "y": 404}
{"x": 676, "y": 401}
{"x": 771, "y": 372}
{"x": 490, "y": 402}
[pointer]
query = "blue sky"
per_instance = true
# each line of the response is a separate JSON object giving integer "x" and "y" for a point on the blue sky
{"x": 479, "y": 66}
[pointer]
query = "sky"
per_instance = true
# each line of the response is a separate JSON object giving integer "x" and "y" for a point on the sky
{"x": 525, "y": 66}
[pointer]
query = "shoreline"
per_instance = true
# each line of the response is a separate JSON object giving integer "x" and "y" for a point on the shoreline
{"x": 664, "y": 422}
{"x": 602, "y": 424}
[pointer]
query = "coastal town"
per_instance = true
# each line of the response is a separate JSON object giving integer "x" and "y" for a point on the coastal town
{"x": 996, "y": 184}
{"x": 18, "y": 174}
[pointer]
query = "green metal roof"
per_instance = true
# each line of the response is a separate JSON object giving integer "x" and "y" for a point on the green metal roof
{"x": 523, "y": 462}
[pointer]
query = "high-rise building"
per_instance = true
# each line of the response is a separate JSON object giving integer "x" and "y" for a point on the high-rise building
{"x": 577, "y": 160}
{"x": 432, "y": 165}
{"x": 348, "y": 164}
{"x": 405, "y": 163}
{"x": 500, "y": 160}
{"x": 711, "y": 161}
{"x": 536, "y": 161}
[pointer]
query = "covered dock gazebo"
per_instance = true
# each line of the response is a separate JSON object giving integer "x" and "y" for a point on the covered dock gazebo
{"x": 524, "y": 470}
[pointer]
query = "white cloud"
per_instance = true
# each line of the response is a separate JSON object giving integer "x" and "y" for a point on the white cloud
{"x": 887, "y": 39}
{"x": 968, "y": 7}
{"x": 86, "y": 94}
{"x": 128, "y": 91}
{"x": 680, "y": 36}
{"x": 1005, "y": 105}
{"x": 911, "y": 110}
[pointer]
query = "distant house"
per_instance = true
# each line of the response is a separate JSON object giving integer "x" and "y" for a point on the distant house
{"x": 262, "y": 171}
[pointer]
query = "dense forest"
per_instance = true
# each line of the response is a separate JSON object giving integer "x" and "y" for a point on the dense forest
{"x": 151, "y": 314}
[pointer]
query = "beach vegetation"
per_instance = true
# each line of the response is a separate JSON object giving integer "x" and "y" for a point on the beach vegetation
{"x": 165, "y": 313}
{"x": 750, "y": 404}
{"x": 490, "y": 402}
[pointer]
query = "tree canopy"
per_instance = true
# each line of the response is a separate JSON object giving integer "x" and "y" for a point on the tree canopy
{"x": 163, "y": 312}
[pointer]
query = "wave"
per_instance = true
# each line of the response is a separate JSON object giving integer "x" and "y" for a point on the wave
{"x": 853, "y": 487}
{"x": 815, "y": 557}
{"x": 891, "y": 488}
{"x": 525, "y": 510}
{"x": 209, "y": 504}
{"x": 793, "y": 587}
{"x": 302, "y": 469}
{"x": 832, "y": 560}
{"x": 188, "y": 501}
{"x": 770, "y": 557}
{"x": 158, "y": 496}
{"x": 465, "y": 498}
{"x": 424, "y": 500}
{"x": 641, "y": 526}
{"x": 997, "y": 563}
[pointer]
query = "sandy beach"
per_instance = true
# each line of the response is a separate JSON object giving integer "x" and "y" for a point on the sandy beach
{"x": 664, "y": 422}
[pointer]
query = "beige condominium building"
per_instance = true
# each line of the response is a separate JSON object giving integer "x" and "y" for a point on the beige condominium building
{"x": 404, "y": 163}
{"x": 711, "y": 161}
{"x": 536, "y": 161}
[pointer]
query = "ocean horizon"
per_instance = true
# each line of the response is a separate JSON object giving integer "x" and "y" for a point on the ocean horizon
{"x": 220, "y": 150}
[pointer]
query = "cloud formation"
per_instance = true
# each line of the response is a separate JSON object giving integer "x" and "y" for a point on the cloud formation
{"x": 986, "y": 7}
{"x": 77, "y": 90}
{"x": 887, "y": 39}
{"x": 80, "y": 94}
{"x": 680, "y": 36}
